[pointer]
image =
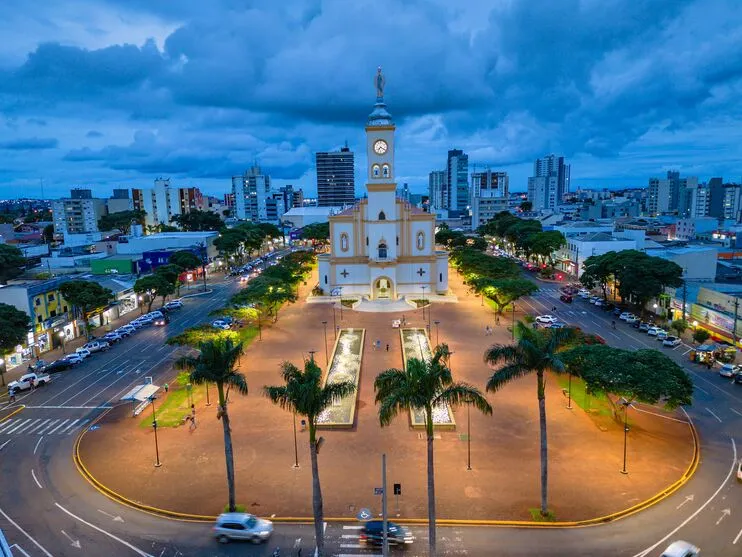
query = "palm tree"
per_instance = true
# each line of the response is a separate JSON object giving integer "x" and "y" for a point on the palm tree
{"x": 535, "y": 351}
{"x": 304, "y": 394}
{"x": 216, "y": 364}
{"x": 423, "y": 385}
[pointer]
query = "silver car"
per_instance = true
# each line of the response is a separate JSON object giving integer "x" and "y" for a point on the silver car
{"x": 242, "y": 526}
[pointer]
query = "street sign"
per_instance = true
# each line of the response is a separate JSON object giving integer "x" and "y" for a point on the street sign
{"x": 378, "y": 491}
{"x": 364, "y": 514}
{"x": 397, "y": 489}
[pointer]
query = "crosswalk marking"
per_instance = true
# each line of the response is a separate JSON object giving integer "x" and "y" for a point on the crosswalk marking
{"x": 39, "y": 426}
{"x": 352, "y": 527}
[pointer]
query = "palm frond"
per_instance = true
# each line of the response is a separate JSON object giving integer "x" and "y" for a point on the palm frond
{"x": 390, "y": 407}
{"x": 185, "y": 362}
{"x": 388, "y": 381}
{"x": 237, "y": 381}
{"x": 505, "y": 375}
{"x": 501, "y": 352}
{"x": 463, "y": 393}
{"x": 279, "y": 395}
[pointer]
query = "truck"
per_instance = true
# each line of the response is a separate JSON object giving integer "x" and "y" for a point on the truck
{"x": 25, "y": 382}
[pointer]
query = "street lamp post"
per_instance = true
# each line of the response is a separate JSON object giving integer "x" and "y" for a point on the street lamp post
{"x": 512, "y": 326}
{"x": 424, "y": 286}
{"x": 334, "y": 321}
{"x": 154, "y": 427}
{"x": 437, "y": 340}
{"x": 296, "y": 446}
{"x": 468, "y": 435}
{"x": 327, "y": 357}
{"x": 61, "y": 337}
{"x": 141, "y": 307}
{"x": 208, "y": 402}
{"x": 626, "y": 405}
{"x": 569, "y": 392}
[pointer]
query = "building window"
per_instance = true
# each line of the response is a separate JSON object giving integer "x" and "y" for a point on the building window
{"x": 385, "y": 171}
{"x": 64, "y": 309}
{"x": 344, "y": 242}
{"x": 53, "y": 313}
{"x": 39, "y": 319}
{"x": 440, "y": 277}
{"x": 325, "y": 279}
{"x": 38, "y": 301}
{"x": 420, "y": 241}
{"x": 397, "y": 240}
{"x": 50, "y": 297}
{"x": 382, "y": 250}
{"x": 382, "y": 216}
{"x": 367, "y": 240}
{"x": 375, "y": 170}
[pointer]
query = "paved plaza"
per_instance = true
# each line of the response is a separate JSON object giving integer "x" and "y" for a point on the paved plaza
{"x": 584, "y": 459}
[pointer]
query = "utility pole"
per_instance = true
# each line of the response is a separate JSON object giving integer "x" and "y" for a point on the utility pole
{"x": 685, "y": 296}
{"x": 385, "y": 535}
{"x": 734, "y": 328}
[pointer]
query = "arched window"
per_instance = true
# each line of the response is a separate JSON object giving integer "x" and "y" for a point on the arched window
{"x": 385, "y": 171}
{"x": 375, "y": 170}
{"x": 382, "y": 216}
{"x": 420, "y": 241}
{"x": 382, "y": 250}
{"x": 344, "y": 242}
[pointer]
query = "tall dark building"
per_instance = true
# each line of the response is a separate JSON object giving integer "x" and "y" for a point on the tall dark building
{"x": 336, "y": 178}
{"x": 716, "y": 197}
{"x": 457, "y": 181}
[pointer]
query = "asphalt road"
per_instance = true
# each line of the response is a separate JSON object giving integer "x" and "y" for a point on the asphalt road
{"x": 46, "y": 508}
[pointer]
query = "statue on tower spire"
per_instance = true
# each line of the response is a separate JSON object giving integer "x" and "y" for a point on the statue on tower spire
{"x": 380, "y": 81}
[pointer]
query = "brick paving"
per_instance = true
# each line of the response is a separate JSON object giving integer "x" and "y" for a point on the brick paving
{"x": 584, "y": 460}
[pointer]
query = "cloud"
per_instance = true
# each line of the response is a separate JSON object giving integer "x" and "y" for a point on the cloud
{"x": 94, "y": 134}
{"x": 30, "y": 144}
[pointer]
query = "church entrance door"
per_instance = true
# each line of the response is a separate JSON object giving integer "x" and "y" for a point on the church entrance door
{"x": 383, "y": 289}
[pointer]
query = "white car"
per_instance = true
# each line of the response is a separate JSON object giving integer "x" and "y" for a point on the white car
{"x": 681, "y": 549}
{"x": 546, "y": 319}
{"x": 728, "y": 370}
{"x": 125, "y": 331}
{"x": 599, "y": 302}
{"x": 584, "y": 293}
{"x": 220, "y": 325}
{"x": 242, "y": 526}
{"x": 95, "y": 346}
{"x": 672, "y": 341}
{"x": 631, "y": 319}
{"x": 83, "y": 352}
{"x": 174, "y": 304}
{"x": 73, "y": 359}
{"x": 625, "y": 315}
{"x": 154, "y": 314}
{"x": 112, "y": 337}
{"x": 662, "y": 335}
{"x": 652, "y": 331}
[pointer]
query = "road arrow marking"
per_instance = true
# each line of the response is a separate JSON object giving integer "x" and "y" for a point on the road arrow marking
{"x": 714, "y": 415}
{"x": 115, "y": 518}
{"x": 73, "y": 542}
{"x": 688, "y": 499}
{"x": 725, "y": 513}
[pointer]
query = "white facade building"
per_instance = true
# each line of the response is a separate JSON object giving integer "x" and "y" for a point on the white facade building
{"x": 579, "y": 247}
{"x": 251, "y": 192}
{"x": 489, "y": 196}
{"x": 383, "y": 248}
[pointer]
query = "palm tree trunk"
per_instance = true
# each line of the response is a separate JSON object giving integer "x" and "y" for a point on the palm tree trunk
{"x": 431, "y": 483}
{"x": 544, "y": 444}
{"x": 228, "y": 451}
{"x": 319, "y": 518}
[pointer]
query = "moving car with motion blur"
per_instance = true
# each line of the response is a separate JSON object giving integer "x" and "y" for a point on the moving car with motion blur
{"x": 242, "y": 526}
{"x": 373, "y": 533}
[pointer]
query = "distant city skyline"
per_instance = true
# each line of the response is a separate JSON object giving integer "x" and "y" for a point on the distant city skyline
{"x": 134, "y": 91}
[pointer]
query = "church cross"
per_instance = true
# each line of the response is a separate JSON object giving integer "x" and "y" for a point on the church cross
{"x": 345, "y": 273}
{"x": 421, "y": 271}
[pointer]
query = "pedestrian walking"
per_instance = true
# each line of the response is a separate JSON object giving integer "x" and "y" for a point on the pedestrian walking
{"x": 387, "y": 347}
{"x": 167, "y": 387}
{"x": 12, "y": 395}
{"x": 497, "y": 319}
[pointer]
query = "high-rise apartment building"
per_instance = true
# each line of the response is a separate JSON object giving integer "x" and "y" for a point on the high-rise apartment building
{"x": 120, "y": 201}
{"x": 550, "y": 182}
{"x": 336, "y": 178}
{"x": 456, "y": 192}
{"x": 79, "y": 214}
{"x": 81, "y": 193}
{"x": 437, "y": 189}
{"x": 490, "y": 195}
{"x": 658, "y": 199}
{"x": 251, "y": 192}
{"x": 162, "y": 202}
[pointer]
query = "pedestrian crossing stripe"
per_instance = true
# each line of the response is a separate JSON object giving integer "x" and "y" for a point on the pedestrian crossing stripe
{"x": 39, "y": 426}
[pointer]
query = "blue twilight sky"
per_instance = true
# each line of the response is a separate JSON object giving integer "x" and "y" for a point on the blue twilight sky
{"x": 113, "y": 93}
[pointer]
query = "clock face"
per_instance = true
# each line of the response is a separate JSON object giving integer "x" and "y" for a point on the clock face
{"x": 380, "y": 147}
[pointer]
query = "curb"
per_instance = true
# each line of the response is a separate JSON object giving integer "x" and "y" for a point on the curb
{"x": 186, "y": 517}
{"x": 13, "y": 413}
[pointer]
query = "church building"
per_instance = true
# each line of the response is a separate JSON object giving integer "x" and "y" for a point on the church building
{"x": 383, "y": 248}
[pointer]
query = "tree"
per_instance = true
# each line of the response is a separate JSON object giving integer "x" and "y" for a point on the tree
{"x": 424, "y": 385}
{"x": 215, "y": 363}
{"x": 525, "y": 206}
{"x": 198, "y": 221}
{"x": 185, "y": 259}
{"x": 87, "y": 296}
{"x": 642, "y": 375}
{"x": 12, "y": 263}
{"x": 536, "y": 351}
{"x": 14, "y": 325}
{"x": 171, "y": 273}
{"x": 544, "y": 244}
{"x": 194, "y": 336}
{"x": 267, "y": 291}
{"x": 303, "y": 393}
{"x": 680, "y": 326}
{"x": 123, "y": 220}
{"x": 502, "y": 292}
{"x": 152, "y": 286}
{"x": 318, "y": 233}
{"x": 48, "y": 233}
{"x": 701, "y": 335}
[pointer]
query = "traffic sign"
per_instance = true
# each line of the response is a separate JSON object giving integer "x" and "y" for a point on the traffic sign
{"x": 378, "y": 491}
{"x": 364, "y": 514}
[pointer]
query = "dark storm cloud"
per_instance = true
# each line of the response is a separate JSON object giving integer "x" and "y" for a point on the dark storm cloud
{"x": 230, "y": 82}
{"x": 30, "y": 144}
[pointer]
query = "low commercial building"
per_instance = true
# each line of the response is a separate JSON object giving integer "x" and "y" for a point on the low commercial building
{"x": 571, "y": 258}
{"x": 170, "y": 241}
{"x": 698, "y": 262}
{"x": 299, "y": 217}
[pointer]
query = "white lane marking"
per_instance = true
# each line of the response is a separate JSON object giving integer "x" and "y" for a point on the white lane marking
{"x": 17, "y": 425}
{"x": 47, "y": 426}
{"x": 35, "y": 479}
{"x": 22, "y": 531}
{"x": 738, "y": 413}
{"x": 37, "y": 444}
{"x": 737, "y": 538}
{"x": 698, "y": 511}
{"x": 137, "y": 379}
{"x": 72, "y": 423}
{"x": 7, "y": 424}
{"x": 659, "y": 415}
{"x": 102, "y": 531}
{"x": 19, "y": 548}
{"x": 351, "y": 545}
{"x": 71, "y": 407}
{"x": 38, "y": 426}
{"x": 350, "y": 536}
{"x": 714, "y": 415}
{"x": 122, "y": 370}
{"x": 3, "y": 445}
{"x": 352, "y": 527}
{"x": 82, "y": 423}
{"x": 73, "y": 542}
{"x": 700, "y": 389}
{"x": 28, "y": 425}
{"x": 62, "y": 423}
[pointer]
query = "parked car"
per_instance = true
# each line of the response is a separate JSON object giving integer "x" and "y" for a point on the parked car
{"x": 653, "y": 331}
{"x": 557, "y": 325}
{"x": 124, "y": 332}
{"x": 128, "y": 328}
{"x": 27, "y": 381}
{"x": 607, "y": 306}
{"x": 74, "y": 358}
{"x": 112, "y": 337}
{"x": 618, "y": 311}
{"x": 220, "y": 325}
{"x": 637, "y": 325}
{"x": 566, "y": 298}
{"x": 95, "y": 346}
{"x": 154, "y": 314}
{"x": 681, "y": 549}
{"x": 672, "y": 342}
{"x": 175, "y": 304}
{"x": 631, "y": 319}
{"x": 599, "y": 303}
{"x": 161, "y": 321}
{"x": 738, "y": 379}
{"x": 546, "y": 319}
{"x": 242, "y": 526}
{"x": 57, "y": 365}
{"x": 594, "y": 299}
{"x": 644, "y": 326}
{"x": 662, "y": 335}
{"x": 139, "y": 323}
{"x": 728, "y": 370}
{"x": 373, "y": 533}
{"x": 625, "y": 315}
{"x": 584, "y": 293}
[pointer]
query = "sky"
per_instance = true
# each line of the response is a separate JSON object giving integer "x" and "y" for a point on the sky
{"x": 115, "y": 93}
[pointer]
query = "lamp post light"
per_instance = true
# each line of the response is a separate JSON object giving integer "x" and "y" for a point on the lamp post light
{"x": 61, "y": 337}
{"x": 626, "y": 405}
{"x": 296, "y": 446}
{"x": 154, "y": 428}
{"x": 424, "y": 286}
{"x": 437, "y": 340}
{"x": 327, "y": 357}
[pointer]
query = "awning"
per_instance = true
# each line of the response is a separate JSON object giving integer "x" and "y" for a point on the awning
{"x": 140, "y": 393}
{"x": 706, "y": 348}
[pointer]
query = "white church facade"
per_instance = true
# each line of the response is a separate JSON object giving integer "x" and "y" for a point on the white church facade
{"x": 383, "y": 248}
